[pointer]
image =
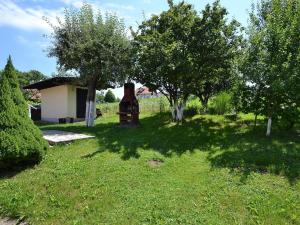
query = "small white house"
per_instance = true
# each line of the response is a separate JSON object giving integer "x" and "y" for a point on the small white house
{"x": 62, "y": 98}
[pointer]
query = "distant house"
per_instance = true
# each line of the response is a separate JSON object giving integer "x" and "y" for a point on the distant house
{"x": 62, "y": 98}
{"x": 144, "y": 92}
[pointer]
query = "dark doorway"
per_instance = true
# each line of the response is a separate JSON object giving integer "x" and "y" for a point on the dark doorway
{"x": 81, "y": 102}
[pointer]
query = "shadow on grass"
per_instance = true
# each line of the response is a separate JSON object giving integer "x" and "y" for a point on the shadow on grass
{"x": 7, "y": 173}
{"x": 229, "y": 145}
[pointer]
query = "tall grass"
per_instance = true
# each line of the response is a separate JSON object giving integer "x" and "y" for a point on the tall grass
{"x": 151, "y": 105}
{"x": 221, "y": 104}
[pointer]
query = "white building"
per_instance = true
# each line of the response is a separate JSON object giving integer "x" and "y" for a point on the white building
{"x": 62, "y": 98}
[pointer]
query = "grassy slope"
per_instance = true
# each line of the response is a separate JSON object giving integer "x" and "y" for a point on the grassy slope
{"x": 215, "y": 172}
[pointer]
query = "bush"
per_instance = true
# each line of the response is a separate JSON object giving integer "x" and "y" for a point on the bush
{"x": 221, "y": 104}
{"x": 193, "y": 107}
{"x": 191, "y": 111}
{"x": 109, "y": 97}
{"x": 21, "y": 142}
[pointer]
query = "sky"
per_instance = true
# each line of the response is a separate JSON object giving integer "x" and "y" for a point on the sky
{"x": 23, "y": 29}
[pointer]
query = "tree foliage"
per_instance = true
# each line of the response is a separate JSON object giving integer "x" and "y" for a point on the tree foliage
{"x": 20, "y": 140}
{"x": 180, "y": 52}
{"x": 162, "y": 58}
{"x": 30, "y": 77}
{"x": 271, "y": 82}
{"x": 214, "y": 45}
{"x": 109, "y": 97}
{"x": 100, "y": 97}
{"x": 95, "y": 46}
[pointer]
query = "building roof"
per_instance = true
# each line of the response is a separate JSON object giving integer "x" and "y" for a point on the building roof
{"x": 143, "y": 91}
{"x": 57, "y": 81}
{"x": 53, "y": 82}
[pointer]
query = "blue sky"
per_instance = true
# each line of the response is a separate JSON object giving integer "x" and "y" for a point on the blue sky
{"x": 22, "y": 27}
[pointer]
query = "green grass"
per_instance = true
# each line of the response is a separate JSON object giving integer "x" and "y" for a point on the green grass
{"x": 150, "y": 105}
{"x": 215, "y": 171}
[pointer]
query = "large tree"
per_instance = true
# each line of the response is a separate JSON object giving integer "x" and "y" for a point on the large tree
{"x": 162, "y": 58}
{"x": 20, "y": 140}
{"x": 214, "y": 45}
{"x": 96, "y": 47}
{"x": 271, "y": 65}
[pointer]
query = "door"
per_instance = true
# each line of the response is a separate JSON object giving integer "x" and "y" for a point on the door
{"x": 81, "y": 96}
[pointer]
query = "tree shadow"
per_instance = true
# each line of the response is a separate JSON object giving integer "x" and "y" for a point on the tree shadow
{"x": 233, "y": 145}
{"x": 279, "y": 155}
{"x": 10, "y": 172}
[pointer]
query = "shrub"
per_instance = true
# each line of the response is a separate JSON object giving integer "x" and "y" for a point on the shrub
{"x": 193, "y": 107}
{"x": 21, "y": 142}
{"x": 191, "y": 111}
{"x": 109, "y": 97}
{"x": 221, "y": 104}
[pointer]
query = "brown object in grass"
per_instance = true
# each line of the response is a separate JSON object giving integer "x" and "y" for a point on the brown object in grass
{"x": 129, "y": 107}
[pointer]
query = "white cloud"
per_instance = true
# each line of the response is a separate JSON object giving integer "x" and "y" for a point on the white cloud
{"x": 31, "y": 18}
{"x": 26, "y": 18}
{"x": 74, "y": 3}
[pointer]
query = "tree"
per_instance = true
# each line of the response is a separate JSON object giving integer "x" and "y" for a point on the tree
{"x": 100, "y": 97}
{"x": 271, "y": 65}
{"x": 110, "y": 97}
{"x": 26, "y": 78}
{"x": 161, "y": 57}
{"x": 32, "y": 76}
{"x": 96, "y": 48}
{"x": 214, "y": 46}
{"x": 20, "y": 140}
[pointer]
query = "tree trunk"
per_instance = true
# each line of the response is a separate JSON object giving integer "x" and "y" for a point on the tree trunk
{"x": 173, "y": 111}
{"x": 179, "y": 112}
{"x": 255, "y": 120}
{"x": 204, "y": 102}
{"x": 91, "y": 103}
{"x": 269, "y": 127}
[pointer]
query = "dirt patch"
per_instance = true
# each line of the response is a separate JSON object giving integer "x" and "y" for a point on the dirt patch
{"x": 155, "y": 162}
{"x": 8, "y": 221}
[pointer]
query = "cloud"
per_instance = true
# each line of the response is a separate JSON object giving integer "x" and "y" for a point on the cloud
{"x": 74, "y": 3}
{"x": 26, "y": 18}
{"x": 31, "y": 18}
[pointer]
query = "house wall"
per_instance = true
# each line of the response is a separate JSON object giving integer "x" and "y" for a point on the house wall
{"x": 71, "y": 101}
{"x": 54, "y": 103}
{"x": 58, "y": 102}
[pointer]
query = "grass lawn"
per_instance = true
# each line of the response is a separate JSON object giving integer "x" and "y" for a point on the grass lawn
{"x": 215, "y": 171}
